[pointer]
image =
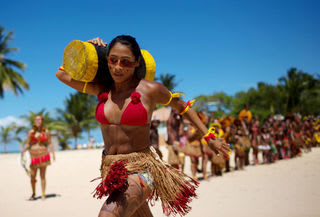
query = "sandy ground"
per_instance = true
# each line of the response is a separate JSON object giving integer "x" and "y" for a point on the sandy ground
{"x": 286, "y": 188}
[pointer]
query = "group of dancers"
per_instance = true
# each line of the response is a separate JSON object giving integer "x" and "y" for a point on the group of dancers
{"x": 276, "y": 138}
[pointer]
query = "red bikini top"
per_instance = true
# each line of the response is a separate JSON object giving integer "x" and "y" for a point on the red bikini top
{"x": 40, "y": 138}
{"x": 134, "y": 114}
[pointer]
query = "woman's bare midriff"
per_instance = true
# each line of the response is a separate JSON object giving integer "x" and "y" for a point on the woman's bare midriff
{"x": 38, "y": 147}
{"x": 124, "y": 139}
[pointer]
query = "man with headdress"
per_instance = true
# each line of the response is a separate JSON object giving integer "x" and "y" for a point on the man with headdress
{"x": 245, "y": 114}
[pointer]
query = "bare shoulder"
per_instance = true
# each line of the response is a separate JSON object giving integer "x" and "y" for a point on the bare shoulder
{"x": 151, "y": 88}
{"x": 154, "y": 91}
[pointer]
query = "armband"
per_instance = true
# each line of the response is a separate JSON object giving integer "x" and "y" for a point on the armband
{"x": 173, "y": 95}
{"x": 186, "y": 108}
{"x": 210, "y": 134}
{"x": 84, "y": 87}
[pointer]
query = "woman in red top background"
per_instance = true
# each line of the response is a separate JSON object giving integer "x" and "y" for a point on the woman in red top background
{"x": 124, "y": 111}
{"x": 37, "y": 142}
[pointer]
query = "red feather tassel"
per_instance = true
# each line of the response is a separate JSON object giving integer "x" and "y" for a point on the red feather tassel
{"x": 116, "y": 180}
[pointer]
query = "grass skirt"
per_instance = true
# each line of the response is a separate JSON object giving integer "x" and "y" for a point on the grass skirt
{"x": 174, "y": 188}
{"x": 175, "y": 157}
{"x": 193, "y": 149}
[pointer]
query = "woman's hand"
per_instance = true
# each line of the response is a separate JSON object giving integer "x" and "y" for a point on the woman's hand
{"x": 63, "y": 76}
{"x": 98, "y": 41}
{"x": 219, "y": 147}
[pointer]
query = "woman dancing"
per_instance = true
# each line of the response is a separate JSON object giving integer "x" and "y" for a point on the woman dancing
{"x": 38, "y": 141}
{"x": 131, "y": 171}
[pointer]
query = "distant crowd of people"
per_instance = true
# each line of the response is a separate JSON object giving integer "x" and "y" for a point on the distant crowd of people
{"x": 276, "y": 138}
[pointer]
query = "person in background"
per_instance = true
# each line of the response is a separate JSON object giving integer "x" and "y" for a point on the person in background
{"x": 174, "y": 129}
{"x": 255, "y": 139}
{"x": 194, "y": 148}
{"x": 38, "y": 142}
{"x": 154, "y": 136}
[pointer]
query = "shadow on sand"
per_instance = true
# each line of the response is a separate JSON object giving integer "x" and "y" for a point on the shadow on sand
{"x": 47, "y": 197}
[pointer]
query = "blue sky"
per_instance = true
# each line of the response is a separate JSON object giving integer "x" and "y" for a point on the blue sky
{"x": 210, "y": 46}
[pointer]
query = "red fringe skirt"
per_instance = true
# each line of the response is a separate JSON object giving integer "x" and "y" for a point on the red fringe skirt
{"x": 39, "y": 158}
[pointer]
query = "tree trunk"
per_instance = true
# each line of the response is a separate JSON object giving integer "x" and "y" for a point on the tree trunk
{"x": 75, "y": 142}
{"x": 89, "y": 135}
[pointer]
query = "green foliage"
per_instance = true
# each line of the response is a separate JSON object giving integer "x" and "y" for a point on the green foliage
{"x": 296, "y": 86}
{"x": 296, "y": 92}
{"x": 77, "y": 116}
{"x": 168, "y": 80}
{"x": 47, "y": 120}
{"x": 7, "y": 136}
{"x": 266, "y": 99}
{"x": 222, "y": 101}
{"x": 10, "y": 79}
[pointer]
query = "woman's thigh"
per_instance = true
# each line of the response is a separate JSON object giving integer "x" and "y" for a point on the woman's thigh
{"x": 33, "y": 172}
{"x": 43, "y": 172}
{"x": 124, "y": 204}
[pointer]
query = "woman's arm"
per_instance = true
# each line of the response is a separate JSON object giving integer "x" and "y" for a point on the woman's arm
{"x": 92, "y": 88}
{"x": 26, "y": 147}
{"x": 50, "y": 144}
{"x": 161, "y": 95}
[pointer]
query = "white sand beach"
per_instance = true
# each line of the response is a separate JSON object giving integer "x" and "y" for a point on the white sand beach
{"x": 285, "y": 188}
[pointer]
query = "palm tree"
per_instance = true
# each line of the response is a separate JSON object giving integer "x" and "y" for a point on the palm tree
{"x": 168, "y": 80}
{"x": 6, "y": 136}
{"x": 71, "y": 125}
{"x": 78, "y": 115}
{"x": 86, "y": 104}
{"x": 48, "y": 122}
{"x": 22, "y": 139}
{"x": 294, "y": 86}
{"x": 46, "y": 118}
{"x": 9, "y": 77}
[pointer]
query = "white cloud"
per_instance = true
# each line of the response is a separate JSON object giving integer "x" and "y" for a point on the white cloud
{"x": 11, "y": 119}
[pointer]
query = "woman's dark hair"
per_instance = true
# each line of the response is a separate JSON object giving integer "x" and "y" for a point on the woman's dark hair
{"x": 135, "y": 48}
{"x": 129, "y": 41}
{"x": 103, "y": 75}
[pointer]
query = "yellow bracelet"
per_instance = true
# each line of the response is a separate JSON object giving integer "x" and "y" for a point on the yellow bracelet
{"x": 173, "y": 95}
{"x": 84, "y": 87}
{"x": 186, "y": 108}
